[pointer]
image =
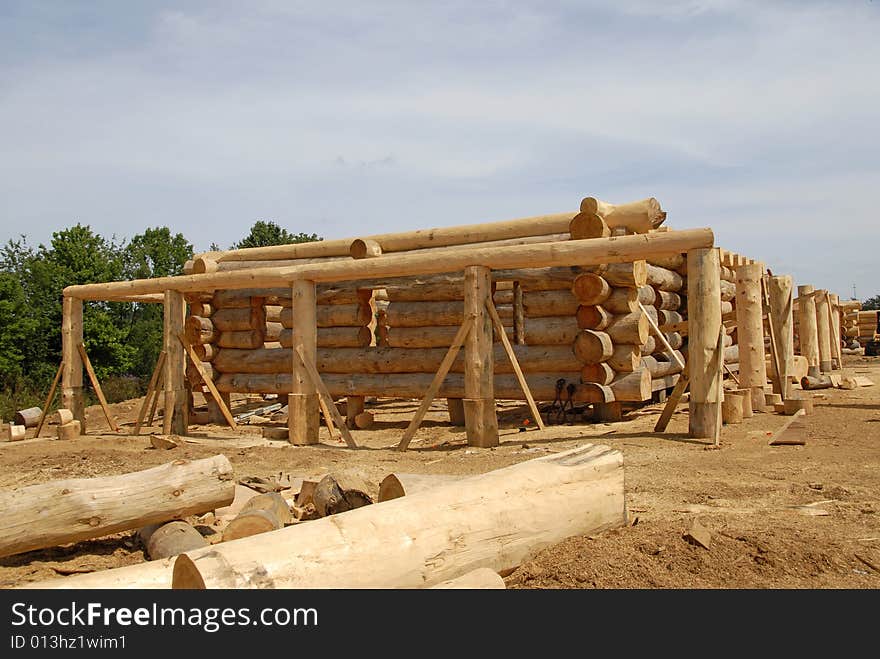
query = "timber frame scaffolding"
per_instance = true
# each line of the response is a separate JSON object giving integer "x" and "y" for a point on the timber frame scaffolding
{"x": 619, "y": 277}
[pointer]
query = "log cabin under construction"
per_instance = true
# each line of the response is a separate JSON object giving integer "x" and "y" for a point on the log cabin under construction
{"x": 605, "y": 306}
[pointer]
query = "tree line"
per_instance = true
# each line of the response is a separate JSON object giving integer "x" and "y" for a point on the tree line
{"x": 123, "y": 340}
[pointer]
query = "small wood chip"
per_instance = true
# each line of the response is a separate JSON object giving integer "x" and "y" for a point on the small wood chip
{"x": 163, "y": 441}
{"x": 698, "y": 535}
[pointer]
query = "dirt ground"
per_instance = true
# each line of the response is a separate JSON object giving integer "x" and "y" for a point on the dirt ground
{"x": 780, "y": 517}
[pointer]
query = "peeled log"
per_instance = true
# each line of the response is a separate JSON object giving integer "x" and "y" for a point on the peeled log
{"x": 630, "y": 328}
{"x": 63, "y": 416}
{"x": 667, "y": 317}
{"x": 592, "y": 347}
{"x": 394, "y": 486}
{"x": 336, "y": 315}
{"x": 590, "y": 289}
{"x": 647, "y": 295}
{"x": 637, "y": 216}
{"x": 592, "y": 317}
{"x": 660, "y": 369}
{"x": 70, "y": 430}
{"x": 821, "y": 382}
{"x": 172, "y": 539}
{"x": 632, "y": 387}
{"x": 551, "y": 331}
{"x": 414, "y": 385}
{"x": 732, "y": 408}
{"x": 29, "y": 418}
{"x": 665, "y": 280}
{"x": 633, "y": 274}
{"x": 233, "y": 320}
{"x": 670, "y": 261}
{"x": 550, "y": 303}
{"x": 668, "y": 301}
{"x": 247, "y": 339}
{"x": 420, "y": 337}
{"x": 340, "y": 493}
{"x": 625, "y": 358}
{"x": 495, "y": 520}
{"x": 391, "y": 360}
{"x": 600, "y": 373}
{"x": 588, "y": 225}
{"x": 622, "y": 300}
{"x": 204, "y": 351}
{"x": 480, "y": 579}
{"x": 335, "y": 337}
{"x": 72, "y": 510}
{"x": 15, "y": 433}
{"x": 433, "y": 314}
{"x": 199, "y": 330}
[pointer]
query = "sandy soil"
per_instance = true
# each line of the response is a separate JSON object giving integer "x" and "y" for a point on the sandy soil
{"x": 780, "y": 517}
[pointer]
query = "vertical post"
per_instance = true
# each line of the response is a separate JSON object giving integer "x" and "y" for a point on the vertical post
{"x": 807, "y": 330}
{"x": 519, "y": 315}
{"x": 704, "y": 325}
{"x": 302, "y": 404}
{"x": 481, "y": 423}
{"x": 781, "y": 314}
{"x": 72, "y": 373}
{"x": 354, "y": 405}
{"x": 176, "y": 414}
{"x": 750, "y": 332}
{"x": 823, "y": 329}
{"x": 836, "y": 352}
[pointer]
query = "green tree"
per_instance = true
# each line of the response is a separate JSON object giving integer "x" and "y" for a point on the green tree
{"x": 16, "y": 329}
{"x": 872, "y": 303}
{"x": 264, "y": 234}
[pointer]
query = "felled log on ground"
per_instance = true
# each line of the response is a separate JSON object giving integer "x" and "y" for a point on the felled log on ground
{"x": 262, "y": 513}
{"x": 171, "y": 539}
{"x": 63, "y": 511}
{"x": 495, "y": 520}
{"x": 394, "y": 486}
{"x": 29, "y": 418}
{"x": 340, "y": 493}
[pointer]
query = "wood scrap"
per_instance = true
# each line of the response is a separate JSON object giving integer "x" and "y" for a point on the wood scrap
{"x": 792, "y": 432}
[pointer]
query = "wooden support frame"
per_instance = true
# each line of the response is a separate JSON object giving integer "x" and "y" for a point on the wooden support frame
{"x": 328, "y": 419}
{"x": 499, "y": 329}
{"x": 227, "y": 414}
{"x": 97, "y": 385}
{"x": 157, "y": 394}
{"x": 445, "y": 365}
{"x": 705, "y": 333}
{"x": 318, "y": 383}
{"x": 49, "y": 399}
{"x": 151, "y": 393}
{"x": 672, "y": 402}
{"x": 176, "y": 413}
{"x": 661, "y": 337}
{"x": 303, "y": 420}
{"x": 72, "y": 397}
{"x": 481, "y": 420}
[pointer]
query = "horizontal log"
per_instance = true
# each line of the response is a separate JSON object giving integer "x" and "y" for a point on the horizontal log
{"x": 660, "y": 368}
{"x": 669, "y": 261}
{"x": 728, "y": 290}
{"x": 632, "y": 387}
{"x": 668, "y": 301}
{"x": 647, "y": 295}
{"x": 273, "y": 331}
{"x": 232, "y": 320}
{"x": 636, "y": 216}
{"x": 600, "y": 373}
{"x": 334, "y": 315}
{"x": 590, "y": 289}
{"x": 392, "y": 360}
{"x": 592, "y": 317}
{"x": 333, "y": 337}
{"x": 540, "y": 304}
{"x": 552, "y": 331}
{"x": 622, "y": 301}
{"x": 629, "y": 328}
{"x": 248, "y": 339}
{"x": 577, "y": 492}
{"x": 414, "y": 385}
{"x": 71, "y": 510}
{"x": 617, "y": 249}
{"x": 434, "y": 313}
{"x": 204, "y": 351}
{"x": 625, "y": 358}
{"x": 633, "y": 274}
{"x": 664, "y": 279}
{"x": 199, "y": 330}
{"x": 422, "y": 337}
{"x": 592, "y": 347}
{"x": 588, "y": 225}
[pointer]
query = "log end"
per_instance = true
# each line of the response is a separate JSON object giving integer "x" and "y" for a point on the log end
{"x": 185, "y": 575}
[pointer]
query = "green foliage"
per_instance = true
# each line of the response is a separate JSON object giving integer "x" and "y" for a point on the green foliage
{"x": 871, "y": 304}
{"x": 123, "y": 339}
{"x": 264, "y": 234}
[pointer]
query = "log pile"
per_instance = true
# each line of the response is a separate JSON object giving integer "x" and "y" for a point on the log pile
{"x": 867, "y": 324}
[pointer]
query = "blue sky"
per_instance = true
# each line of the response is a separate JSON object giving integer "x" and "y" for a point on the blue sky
{"x": 758, "y": 119}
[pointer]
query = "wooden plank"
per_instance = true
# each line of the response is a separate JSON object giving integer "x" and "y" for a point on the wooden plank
{"x": 445, "y": 365}
{"x": 499, "y": 327}
{"x": 97, "y": 385}
{"x": 208, "y": 381}
{"x": 151, "y": 392}
{"x": 49, "y": 399}
{"x": 792, "y": 432}
{"x": 160, "y": 387}
{"x": 719, "y": 359}
{"x": 774, "y": 353}
{"x": 322, "y": 391}
{"x": 328, "y": 419}
{"x": 672, "y": 402}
